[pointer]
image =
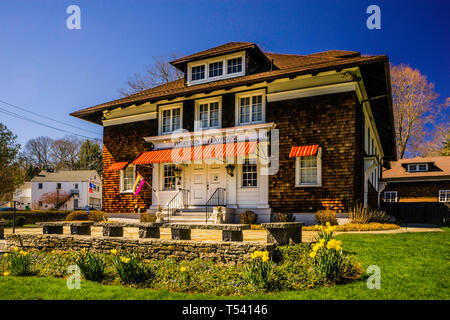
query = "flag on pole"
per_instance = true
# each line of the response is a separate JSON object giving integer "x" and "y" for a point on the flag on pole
{"x": 138, "y": 184}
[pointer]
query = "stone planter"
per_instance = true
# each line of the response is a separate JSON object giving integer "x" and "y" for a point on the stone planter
{"x": 282, "y": 233}
{"x": 80, "y": 228}
{"x": 149, "y": 230}
{"x": 112, "y": 229}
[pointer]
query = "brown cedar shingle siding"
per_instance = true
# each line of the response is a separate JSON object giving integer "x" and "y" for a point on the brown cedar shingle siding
{"x": 329, "y": 121}
{"x": 125, "y": 143}
{"x": 425, "y": 191}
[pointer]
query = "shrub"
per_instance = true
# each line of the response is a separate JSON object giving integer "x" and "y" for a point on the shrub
{"x": 20, "y": 221}
{"x": 147, "y": 217}
{"x": 35, "y": 215}
{"x": 257, "y": 271}
{"x": 248, "y": 217}
{"x": 324, "y": 216}
{"x": 285, "y": 217}
{"x": 97, "y": 216}
{"x": 92, "y": 266}
{"x": 19, "y": 263}
{"x": 361, "y": 214}
{"x": 77, "y": 216}
{"x": 130, "y": 268}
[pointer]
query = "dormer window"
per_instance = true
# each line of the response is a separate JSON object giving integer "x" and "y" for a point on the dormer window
{"x": 234, "y": 65}
{"x": 217, "y": 68}
{"x": 418, "y": 167}
{"x": 198, "y": 73}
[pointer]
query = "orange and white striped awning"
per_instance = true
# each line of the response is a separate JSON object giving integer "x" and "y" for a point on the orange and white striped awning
{"x": 197, "y": 153}
{"x": 117, "y": 166}
{"x": 303, "y": 151}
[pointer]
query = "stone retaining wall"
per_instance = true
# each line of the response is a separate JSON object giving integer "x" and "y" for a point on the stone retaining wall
{"x": 217, "y": 251}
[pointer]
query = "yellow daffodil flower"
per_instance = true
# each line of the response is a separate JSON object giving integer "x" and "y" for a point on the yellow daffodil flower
{"x": 6, "y": 273}
{"x": 313, "y": 254}
{"x": 113, "y": 251}
{"x": 183, "y": 269}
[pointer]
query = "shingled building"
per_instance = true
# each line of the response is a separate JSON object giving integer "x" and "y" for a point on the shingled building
{"x": 251, "y": 130}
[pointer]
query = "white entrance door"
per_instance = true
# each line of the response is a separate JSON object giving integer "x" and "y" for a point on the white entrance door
{"x": 205, "y": 179}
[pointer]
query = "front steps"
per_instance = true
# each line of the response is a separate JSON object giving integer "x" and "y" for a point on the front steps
{"x": 191, "y": 215}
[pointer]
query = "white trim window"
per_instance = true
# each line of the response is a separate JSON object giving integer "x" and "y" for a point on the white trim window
{"x": 208, "y": 114}
{"x": 251, "y": 107}
{"x": 418, "y": 167}
{"x": 127, "y": 178}
{"x": 390, "y": 196}
{"x": 308, "y": 170}
{"x": 170, "y": 118}
{"x": 249, "y": 173}
{"x": 169, "y": 179}
{"x": 444, "y": 195}
{"x": 217, "y": 68}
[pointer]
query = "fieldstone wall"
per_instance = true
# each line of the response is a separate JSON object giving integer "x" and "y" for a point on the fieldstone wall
{"x": 217, "y": 251}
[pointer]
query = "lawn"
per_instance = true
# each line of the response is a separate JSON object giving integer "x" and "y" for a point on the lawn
{"x": 413, "y": 266}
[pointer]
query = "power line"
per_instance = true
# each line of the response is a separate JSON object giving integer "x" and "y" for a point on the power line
{"x": 10, "y": 113}
{"x": 45, "y": 117}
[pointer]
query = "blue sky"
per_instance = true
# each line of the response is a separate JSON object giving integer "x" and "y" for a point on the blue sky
{"x": 53, "y": 71}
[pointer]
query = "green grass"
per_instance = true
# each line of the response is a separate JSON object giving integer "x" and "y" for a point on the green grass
{"x": 413, "y": 266}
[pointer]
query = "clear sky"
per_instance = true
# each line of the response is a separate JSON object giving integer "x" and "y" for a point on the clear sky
{"x": 51, "y": 70}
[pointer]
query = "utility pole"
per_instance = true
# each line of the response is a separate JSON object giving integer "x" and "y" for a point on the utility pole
{"x": 14, "y": 217}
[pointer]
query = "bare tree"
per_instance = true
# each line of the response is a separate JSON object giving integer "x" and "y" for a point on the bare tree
{"x": 37, "y": 152}
{"x": 413, "y": 98}
{"x": 160, "y": 72}
{"x": 64, "y": 152}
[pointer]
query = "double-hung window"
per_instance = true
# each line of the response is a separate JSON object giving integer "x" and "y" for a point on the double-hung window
{"x": 171, "y": 118}
{"x": 390, "y": 196}
{"x": 308, "y": 170}
{"x": 444, "y": 195}
{"x": 208, "y": 114}
{"x": 250, "y": 108}
{"x": 127, "y": 177}
{"x": 169, "y": 179}
{"x": 249, "y": 173}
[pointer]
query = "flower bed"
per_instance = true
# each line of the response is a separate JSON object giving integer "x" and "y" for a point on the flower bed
{"x": 373, "y": 226}
{"x": 294, "y": 267}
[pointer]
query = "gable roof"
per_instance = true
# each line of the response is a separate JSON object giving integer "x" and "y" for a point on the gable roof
{"x": 439, "y": 168}
{"x": 66, "y": 176}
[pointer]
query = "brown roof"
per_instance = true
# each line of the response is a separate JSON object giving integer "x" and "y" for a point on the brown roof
{"x": 286, "y": 64}
{"x": 439, "y": 168}
{"x": 222, "y": 49}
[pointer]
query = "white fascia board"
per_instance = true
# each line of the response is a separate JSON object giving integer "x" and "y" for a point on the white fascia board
{"x": 128, "y": 119}
{"x": 310, "y": 92}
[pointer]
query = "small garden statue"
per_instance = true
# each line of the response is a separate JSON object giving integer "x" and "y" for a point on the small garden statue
{"x": 218, "y": 215}
{"x": 159, "y": 215}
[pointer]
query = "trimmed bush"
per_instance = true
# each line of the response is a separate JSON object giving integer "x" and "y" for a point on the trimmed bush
{"x": 97, "y": 216}
{"x": 285, "y": 217}
{"x": 147, "y": 217}
{"x": 20, "y": 221}
{"x": 77, "y": 216}
{"x": 248, "y": 217}
{"x": 324, "y": 216}
{"x": 34, "y": 216}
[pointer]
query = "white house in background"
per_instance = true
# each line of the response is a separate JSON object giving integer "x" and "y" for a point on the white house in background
{"x": 23, "y": 196}
{"x": 66, "y": 190}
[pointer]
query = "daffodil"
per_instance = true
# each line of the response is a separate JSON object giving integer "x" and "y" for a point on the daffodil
{"x": 113, "y": 251}
{"x": 125, "y": 259}
{"x": 183, "y": 269}
{"x": 6, "y": 255}
{"x": 6, "y": 273}
{"x": 313, "y": 254}
{"x": 16, "y": 248}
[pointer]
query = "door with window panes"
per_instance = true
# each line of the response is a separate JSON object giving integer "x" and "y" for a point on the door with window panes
{"x": 204, "y": 180}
